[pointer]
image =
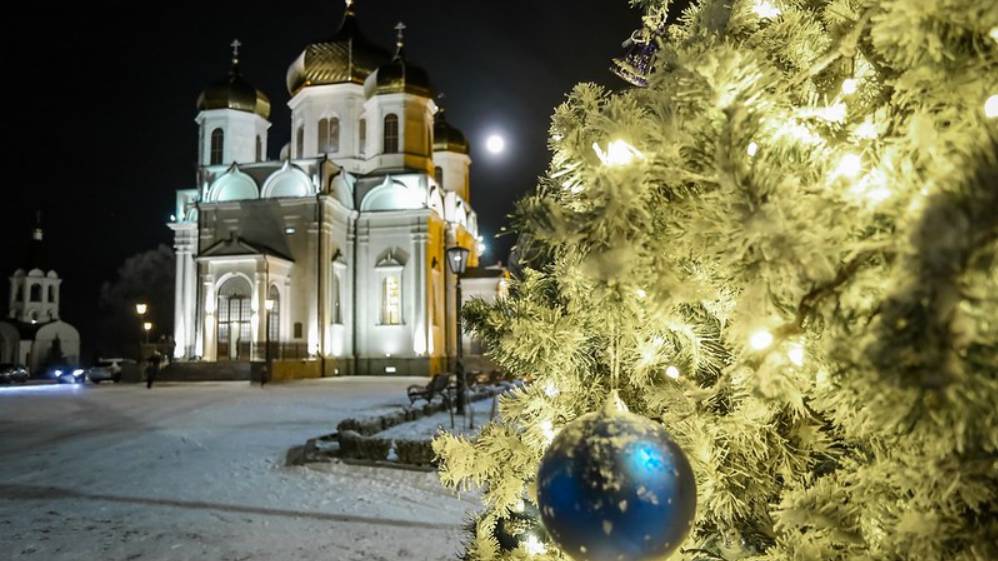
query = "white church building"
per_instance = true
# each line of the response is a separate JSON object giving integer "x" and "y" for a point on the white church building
{"x": 335, "y": 254}
{"x": 33, "y": 333}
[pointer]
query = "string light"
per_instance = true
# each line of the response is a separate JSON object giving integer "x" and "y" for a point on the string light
{"x": 753, "y": 149}
{"x": 849, "y": 166}
{"x": 849, "y": 86}
{"x": 796, "y": 354}
{"x": 672, "y": 372}
{"x": 991, "y": 107}
{"x": 618, "y": 153}
{"x": 640, "y": 293}
{"x": 551, "y": 390}
{"x": 761, "y": 340}
{"x": 533, "y": 546}
{"x": 548, "y": 429}
{"x": 765, "y": 9}
{"x": 994, "y": 33}
{"x": 866, "y": 130}
{"x": 836, "y": 113}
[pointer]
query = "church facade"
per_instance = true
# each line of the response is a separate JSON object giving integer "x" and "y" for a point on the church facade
{"x": 336, "y": 252}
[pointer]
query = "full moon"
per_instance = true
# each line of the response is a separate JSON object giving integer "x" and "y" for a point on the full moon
{"x": 495, "y": 144}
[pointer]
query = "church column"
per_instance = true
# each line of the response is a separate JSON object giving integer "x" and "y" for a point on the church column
{"x": 419, "y": 291}
{"x": 208, "y": 329}
{"x": 184, "y": 298}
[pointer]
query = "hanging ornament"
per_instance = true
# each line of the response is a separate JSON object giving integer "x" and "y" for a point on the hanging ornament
{"x": 641, "y": 47}
{"x": 521, "y": 526}
{"x": 613, "y": 486}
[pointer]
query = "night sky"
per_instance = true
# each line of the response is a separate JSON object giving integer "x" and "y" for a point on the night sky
{"x": 102, "y": 101}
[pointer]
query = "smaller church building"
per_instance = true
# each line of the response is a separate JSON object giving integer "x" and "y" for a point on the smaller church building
{"x": 33, "y": 335}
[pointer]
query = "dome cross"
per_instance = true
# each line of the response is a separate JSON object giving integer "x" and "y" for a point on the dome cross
{"x": 400, "y": 40}
{"x": 235, "y": 51}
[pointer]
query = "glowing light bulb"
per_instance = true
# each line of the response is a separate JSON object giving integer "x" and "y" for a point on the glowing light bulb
{"x": 796, "y": 354}
{"x": 672, "y": 372}
{"x": 833, "y": 113}
{"x": 849, "y": 86}
{"x": 991, "y": 107}
{"x": 533, "y": 546}
{"x": 547, "y": 428}
{"x": 618, "y": 153}
{"x": 994, "y": 33}
{"x": 866, "y": 130}
{"x": 765, "y": 9}
{"x": 640, "y": 293}
{"x": 849, "y": 166}
{"x": 551, "y": 390}
{"x": 761, "y": 340}
{"x": 753, "y": 149}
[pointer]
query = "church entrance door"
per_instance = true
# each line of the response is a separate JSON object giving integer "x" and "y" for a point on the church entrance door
{"x": 235, "y": 333}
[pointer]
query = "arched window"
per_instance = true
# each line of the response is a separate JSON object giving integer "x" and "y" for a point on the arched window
{"x": 362, "y": 136}
{"x": 329, "y": 135}
{"x": 391, "y": 299}
{"x": 438, "y": 174}
{"x": 391, "y": 134}
{"x": 337, "y": 306}
{"x": 259, "y": 148}
{"x": 51, "y": 293}
{"x": 36, "y": 293}
{"x": 217, "y": 146}
{"x": 323, "y": 135}
{"x": 274, "y": 317}
{"x": 19, "y": 295}
{"x": 300, "y": 142}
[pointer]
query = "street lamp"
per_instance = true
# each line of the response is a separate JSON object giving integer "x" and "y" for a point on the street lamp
{"x": 268, "y": 305}
{"x": 140, "y": 310}
{"x": 457, "y": 262}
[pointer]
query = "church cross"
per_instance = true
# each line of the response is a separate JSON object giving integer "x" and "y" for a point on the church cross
{"x": 400, "y": 27}
{"x": 235, "y": 50}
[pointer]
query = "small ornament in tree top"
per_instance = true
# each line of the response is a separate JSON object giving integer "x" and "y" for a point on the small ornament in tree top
{"x": 520, "y": 526}
{"x": 636, "y": 64}
{"x": 614, "y": 486}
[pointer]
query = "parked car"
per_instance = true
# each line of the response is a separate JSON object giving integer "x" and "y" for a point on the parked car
{"x": 68, "y": 374}
{"x": 103, "y": 373}
{"x": 13, "y": 374}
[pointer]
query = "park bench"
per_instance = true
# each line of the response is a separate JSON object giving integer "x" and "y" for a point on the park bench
{"x": 438, "y": 386}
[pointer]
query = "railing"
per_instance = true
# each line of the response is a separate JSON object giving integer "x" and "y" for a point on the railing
{"x": 258, "y": 351}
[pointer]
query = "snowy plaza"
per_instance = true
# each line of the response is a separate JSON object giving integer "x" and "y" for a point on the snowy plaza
{"x": 197, "y": 471}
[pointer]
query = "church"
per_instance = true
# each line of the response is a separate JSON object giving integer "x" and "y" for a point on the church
{"x": 33, "y": 335}
{"x": 335, "y": 254}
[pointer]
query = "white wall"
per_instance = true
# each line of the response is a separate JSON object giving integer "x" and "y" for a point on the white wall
{"x": 241, "y": 130}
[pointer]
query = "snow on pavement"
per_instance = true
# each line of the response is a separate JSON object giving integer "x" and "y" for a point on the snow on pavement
{"x": 196, "y": 472}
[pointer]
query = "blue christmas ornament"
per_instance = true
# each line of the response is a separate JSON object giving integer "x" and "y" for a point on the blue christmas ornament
{"x": 613, "y": 486}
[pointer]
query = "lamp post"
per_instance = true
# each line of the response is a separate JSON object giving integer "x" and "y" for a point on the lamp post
{"x": 147, "y": 327}
{"x": 269, "y": 307}
{"x": 140, "y": 310}
{"x": 457, "y": 262}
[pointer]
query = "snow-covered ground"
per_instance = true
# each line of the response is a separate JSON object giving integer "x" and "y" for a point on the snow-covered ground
{"x": 196, "y": 472}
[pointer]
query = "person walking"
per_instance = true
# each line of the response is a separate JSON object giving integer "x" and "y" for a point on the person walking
{"x": 152, "y": 369}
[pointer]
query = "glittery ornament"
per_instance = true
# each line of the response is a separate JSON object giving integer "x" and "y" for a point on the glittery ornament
{"x": 613, "y": 486}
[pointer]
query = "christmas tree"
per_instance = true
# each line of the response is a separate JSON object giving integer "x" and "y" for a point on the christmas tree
{"x": 782, "y": 248}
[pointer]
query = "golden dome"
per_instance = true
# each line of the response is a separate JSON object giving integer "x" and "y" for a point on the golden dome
{"x": 234, "y": 92}
{"x": 347, "y": 57}
{"x": 398, "y": 75}
{"x": 447, "y": 138}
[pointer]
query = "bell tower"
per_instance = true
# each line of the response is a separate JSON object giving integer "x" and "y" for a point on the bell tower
{"x": 232, "y": 120}
{"x": 34, "y": 293}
